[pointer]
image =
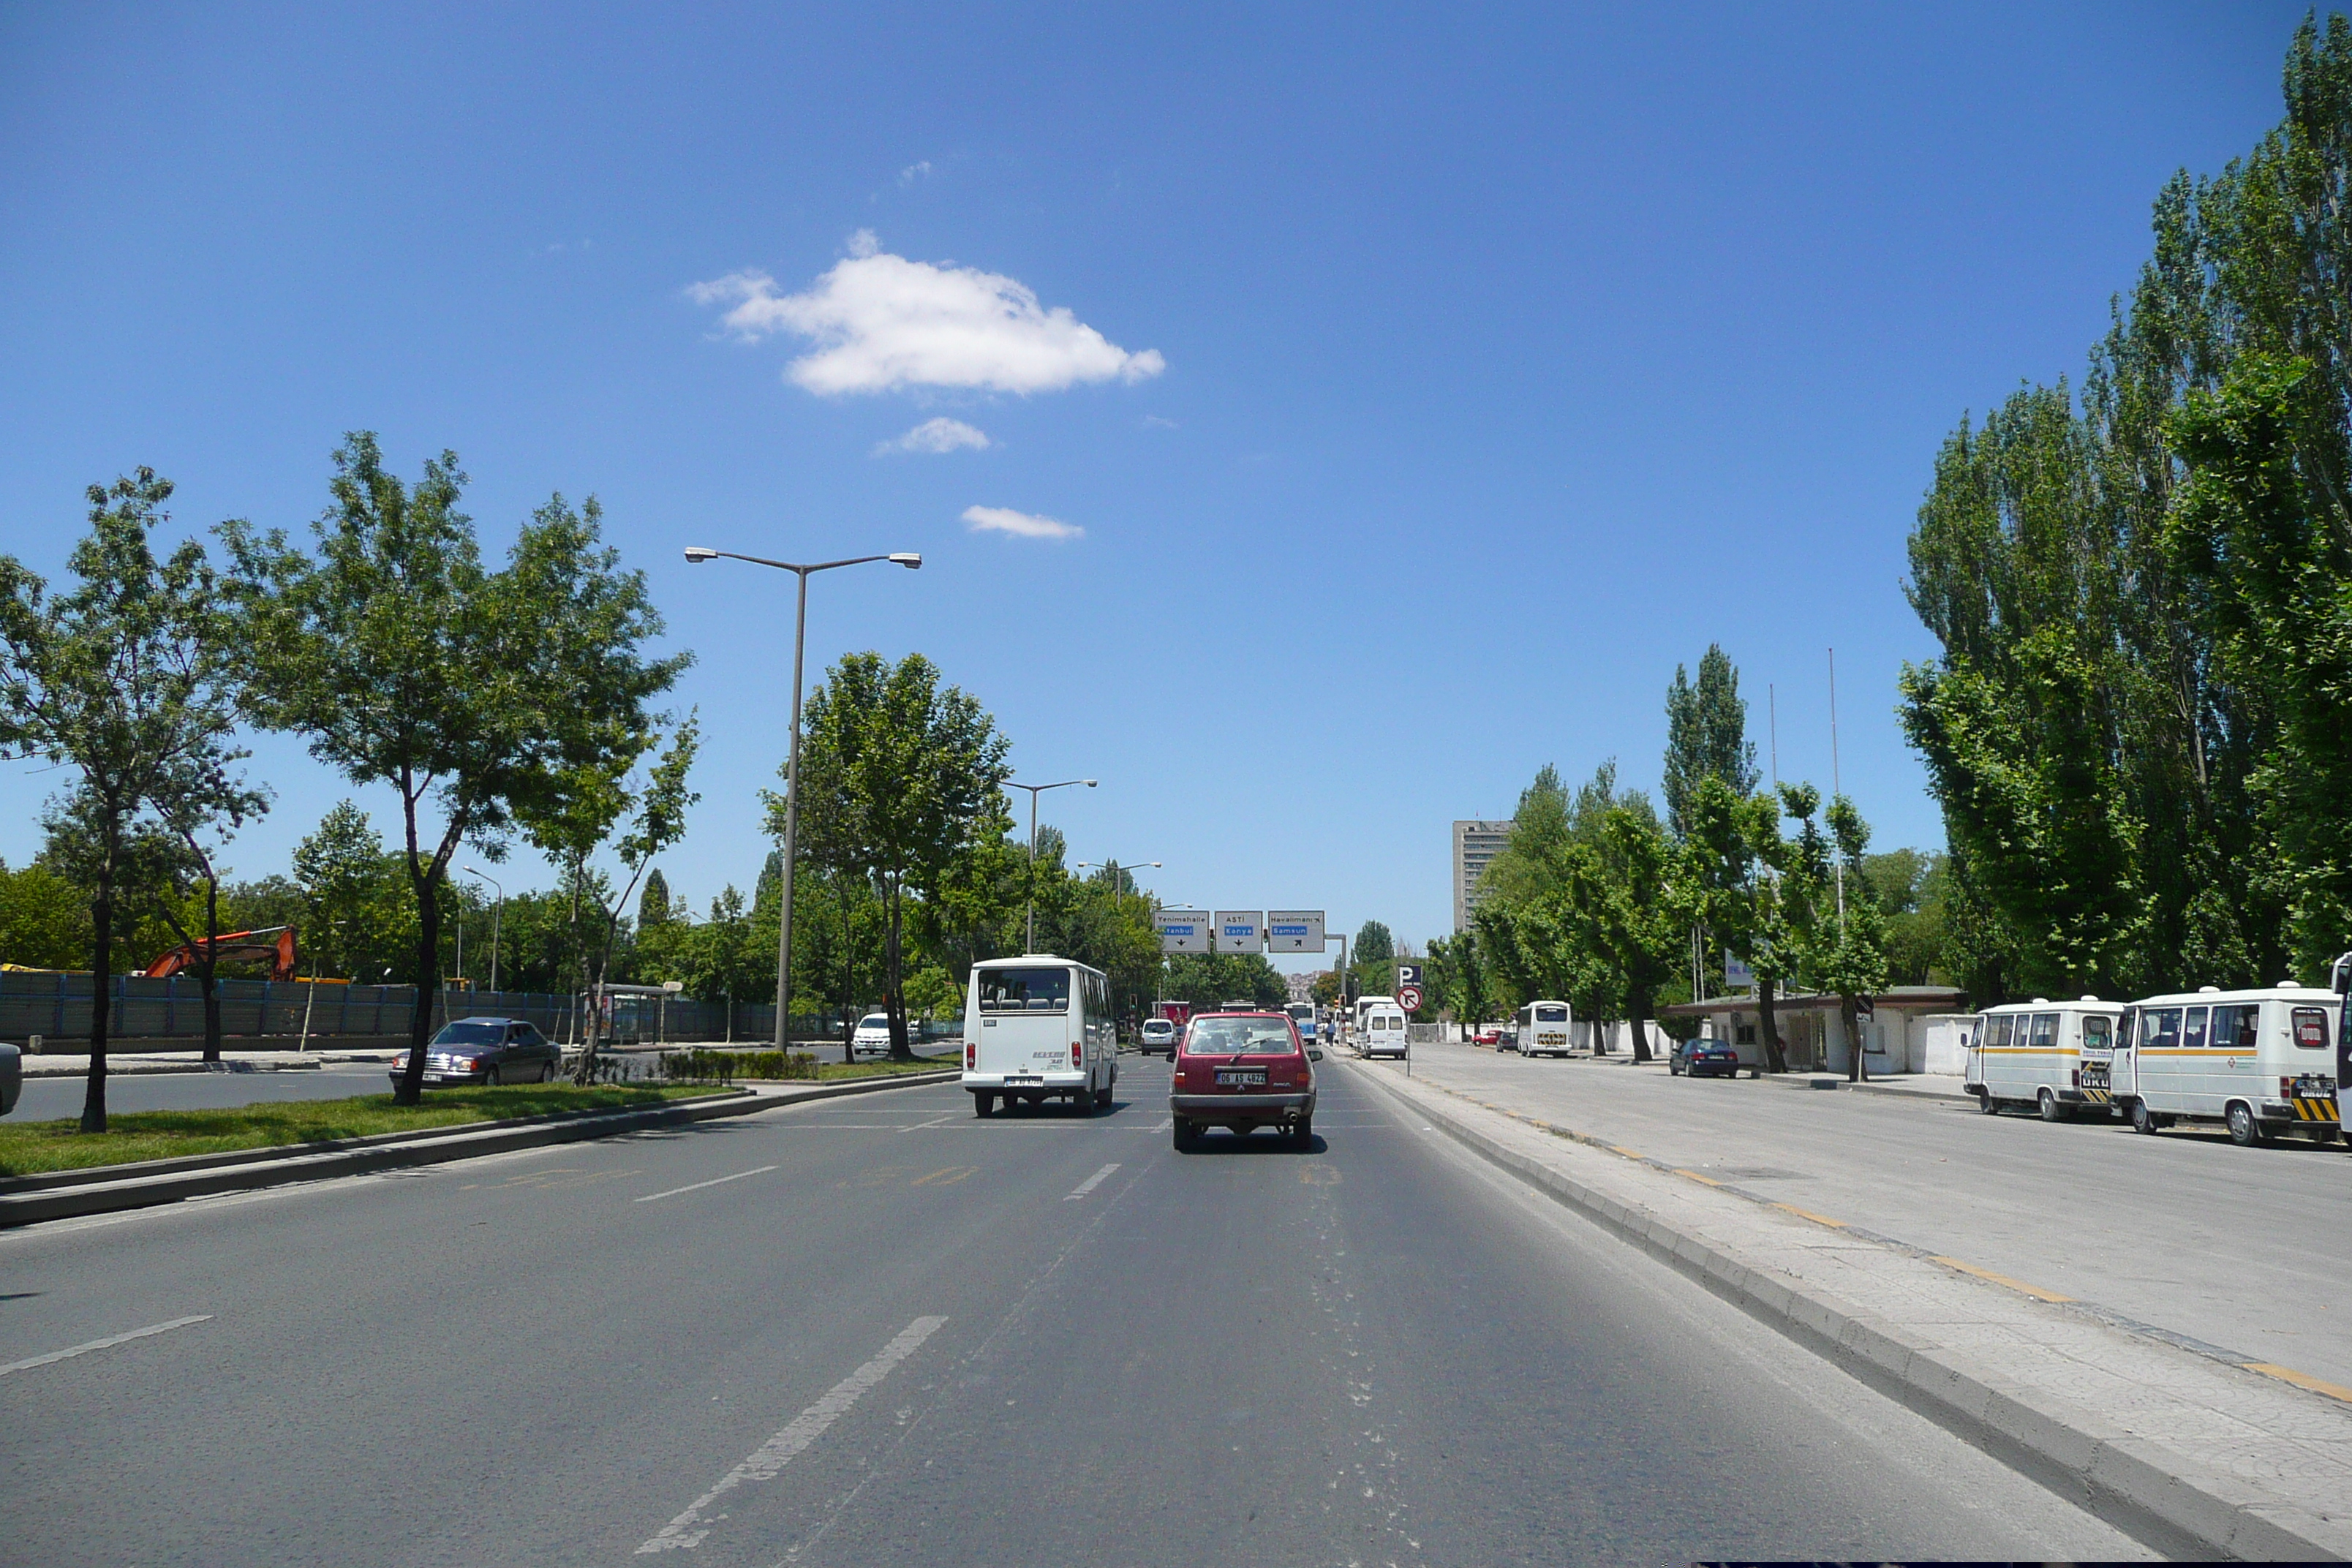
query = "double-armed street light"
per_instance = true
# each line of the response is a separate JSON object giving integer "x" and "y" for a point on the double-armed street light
{"x": 498, "y": 910}
{"x": 1034, "y": 791}
{"x": 1122, "y": 867}
{"x": 698, "y": 554}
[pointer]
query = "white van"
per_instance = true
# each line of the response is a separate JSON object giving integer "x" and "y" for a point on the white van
{"x": 1541, "y": 1029}
{"x": 1364, "y": 1005}
{"x": 2260, "y": 1062}
{"x": 2051, "y": 1056}
{"x": 873, "y": 1035}
{"x": 1037, "y": 1028}
{"x": 1382, "y": 1033}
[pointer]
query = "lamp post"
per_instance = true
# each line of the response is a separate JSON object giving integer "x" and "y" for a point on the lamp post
{"x": 497, "y": 909}
{"x": 1034, "y": 791}
{"x": 696, "y": 555}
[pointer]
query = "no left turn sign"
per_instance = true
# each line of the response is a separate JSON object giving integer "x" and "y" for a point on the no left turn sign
{"x": 1409, "y": 998}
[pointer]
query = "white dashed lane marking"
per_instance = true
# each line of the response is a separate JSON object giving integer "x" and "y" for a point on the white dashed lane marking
{"x": 31, "y": 1361}
{"x": 1091, "y": 1183}
{"x": 698, "y": 1186}
{"x": 770, "y": 1458}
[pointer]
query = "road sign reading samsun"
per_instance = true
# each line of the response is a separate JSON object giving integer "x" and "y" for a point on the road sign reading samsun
{"x": 1241, "y": 930}
{"x": 1183, "y": 931}
{"x": 1294, "y": 930}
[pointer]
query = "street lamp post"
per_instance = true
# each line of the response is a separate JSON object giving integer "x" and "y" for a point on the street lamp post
{"x": 698, "y": 554}
{"x": 1034, "y": 791}
{"x": 497, "y": 909}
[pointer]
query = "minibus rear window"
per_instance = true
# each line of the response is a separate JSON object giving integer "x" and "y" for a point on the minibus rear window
{"x": 2311, "y": 1028}
{"x": 1551, "y": 1015}
{"x": 1024, "y": 990}
{"x": 2095, "y": 1031}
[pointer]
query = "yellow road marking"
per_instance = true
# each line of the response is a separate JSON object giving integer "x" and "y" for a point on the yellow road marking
{"x": 1621, "y": 1149}
{"x": 1695, "y": 1176}
{"x": 1319, "y": 1175}
{"x": 2301, "y": 1380}
{"x": 948, "y": 1177}
{"x": 2035, "y": 1292}
{"x": 1816, "y": 1218}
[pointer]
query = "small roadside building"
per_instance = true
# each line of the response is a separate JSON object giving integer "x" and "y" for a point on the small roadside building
{"x": 1906, "y": 1025}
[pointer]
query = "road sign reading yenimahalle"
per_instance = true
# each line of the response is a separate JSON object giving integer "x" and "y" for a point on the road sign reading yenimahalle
{"x": 1241, "y": 930}
{"x": 1294, "y": 930}
{"x": 1183, "y": 931}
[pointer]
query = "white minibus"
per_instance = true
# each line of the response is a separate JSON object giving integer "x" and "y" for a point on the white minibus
{"x": 1303, "y": 1014}
{"x": 2051, "y": 1056}
{"x": 1037, "y": 1028}
{"x": 1383, "y": 1031}
{"x": 1364, "y": 1005}
{"x": 1542, "y": 1029}
{"x": 2260, "y": 1062}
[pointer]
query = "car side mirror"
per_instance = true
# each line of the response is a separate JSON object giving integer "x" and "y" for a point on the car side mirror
{"x": 1314, "y": 1056}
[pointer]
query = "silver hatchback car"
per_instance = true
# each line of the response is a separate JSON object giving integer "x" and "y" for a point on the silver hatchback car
{"x": 489, "y": 1050}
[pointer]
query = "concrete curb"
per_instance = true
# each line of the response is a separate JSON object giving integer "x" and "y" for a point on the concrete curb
{"x": 2111, "y": 1475}
{"x": 248, "y": 1169}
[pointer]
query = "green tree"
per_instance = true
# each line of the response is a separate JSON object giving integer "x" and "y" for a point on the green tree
{"x": 124, "y": 679}
{"x": 1706, "y": 737}
{"x": 44, "y": 919}
{"x": 358, "y": 918}
{"x": 654, "y": 906}
{"x": 472, "y": 693}
{"x": 1211, "y": 979}
{"x": 1732, "y": 856}
{"x": 198, "y": 805}
{"x": 909, "y": 769}
{"x": 1835, "y": 928}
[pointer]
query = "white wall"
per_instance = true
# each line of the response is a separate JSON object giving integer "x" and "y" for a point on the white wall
{"x": 1939, "y": 1042}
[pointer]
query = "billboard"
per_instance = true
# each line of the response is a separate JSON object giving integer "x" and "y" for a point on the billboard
{"x": 1294, "y": 930}
{"x": 1241, "y": 930}
{"x": 1183, "y": 931}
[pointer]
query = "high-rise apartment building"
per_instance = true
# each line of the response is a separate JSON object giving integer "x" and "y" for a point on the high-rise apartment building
{"x": 1474, "y": 844}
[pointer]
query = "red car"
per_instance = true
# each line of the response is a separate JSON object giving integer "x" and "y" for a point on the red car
{"x": 1243, "y": 1070}
{"x": 1487, "y": 1038}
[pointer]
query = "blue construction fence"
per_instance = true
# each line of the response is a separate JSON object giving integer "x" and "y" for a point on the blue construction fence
{"x": 56, "y": 1005}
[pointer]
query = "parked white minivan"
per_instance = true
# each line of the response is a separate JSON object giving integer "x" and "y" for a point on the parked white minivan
{"x": 1038, "y": 1028}
{"x": 2050, "y": 1057}
{"x": 2260, "y": 1062}
{"x": 873, "y": 1035}
{"x": 1383, "y": 1031}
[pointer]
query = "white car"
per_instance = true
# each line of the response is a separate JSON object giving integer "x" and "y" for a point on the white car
{"x": 873, "y": 1035}
{"x": 1158, "y": 1035}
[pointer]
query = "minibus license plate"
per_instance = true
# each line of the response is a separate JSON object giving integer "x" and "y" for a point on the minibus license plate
{"x": 1023, "y": 1077}
{"x": 1240, "y": 1078}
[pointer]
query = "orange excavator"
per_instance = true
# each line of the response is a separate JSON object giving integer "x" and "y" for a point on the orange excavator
{"x": 273, "y": 945}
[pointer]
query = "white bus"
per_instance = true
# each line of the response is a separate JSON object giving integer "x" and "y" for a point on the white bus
{"x": 1037, "y": 1028}
{"x": 2051, "y": 1056}
{"x": 1303, "y": 1014}
{"x": 1364, "y": 1005}
{"x": 1541, "y": 1029}
{"x": 2260, "y": 1062}
{"x": 1382, "y": 1033}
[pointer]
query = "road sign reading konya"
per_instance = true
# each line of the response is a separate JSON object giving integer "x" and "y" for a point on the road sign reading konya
{"x": 1409, "y": 998}
{"x": 1294, "y": 930}
{"x": 1241, "y": 930}
{"x": 1183, "y": 931}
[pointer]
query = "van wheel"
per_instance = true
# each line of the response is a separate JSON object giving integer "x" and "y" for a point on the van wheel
{"x": 1987, "y": 1103}
{"x": 983, "y": 1104}
{"x": 2050, "y": 1110}
{"x": 2245, "y": 1131}
{"x": 1083, "y": 1103}
{"x": 2142, "y": 1120}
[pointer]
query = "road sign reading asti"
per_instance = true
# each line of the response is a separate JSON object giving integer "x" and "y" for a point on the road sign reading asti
{"x": 1183, "y": 931}
{"x": 1294, "y": 930}
{"x": 1241, "y": 930}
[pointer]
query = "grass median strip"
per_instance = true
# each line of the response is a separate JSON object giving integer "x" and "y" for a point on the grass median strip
{"x": 28, "y": 1148}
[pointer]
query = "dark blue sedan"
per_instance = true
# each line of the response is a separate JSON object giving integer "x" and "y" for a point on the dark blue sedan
{"x": 1704, "y": 1059}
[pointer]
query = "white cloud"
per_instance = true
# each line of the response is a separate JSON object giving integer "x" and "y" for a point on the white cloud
{"x": 913, "y": 171}
{"x": 1020, "y": 524}
{"x": 1154, "y": 422}
{"x": 936, "y": 435}
{"x": 880, "y": 322}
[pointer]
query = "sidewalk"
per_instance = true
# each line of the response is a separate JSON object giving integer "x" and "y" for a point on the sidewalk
{"x": 2194, "y": 1455}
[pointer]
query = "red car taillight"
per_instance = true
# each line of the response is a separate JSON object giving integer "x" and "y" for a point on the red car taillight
{"x": 971, "y": 1055}
{"x": 1078, "y": 1053}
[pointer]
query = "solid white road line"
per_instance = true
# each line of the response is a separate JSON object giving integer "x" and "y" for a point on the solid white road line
{"x": 918, "y": 1126}
{"x": 779, "y": 1450}
{"x": 1091, "y": 1183}
{"x": 1164, "y": 1124}
{"x": 698, "y": 1186}
{"x": 30, "y": 1363}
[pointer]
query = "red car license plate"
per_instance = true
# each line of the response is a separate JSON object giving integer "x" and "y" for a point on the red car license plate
{"x": 1236, "y": 1077}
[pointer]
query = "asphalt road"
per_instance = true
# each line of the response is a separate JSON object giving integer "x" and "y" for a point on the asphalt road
{"x": 2185, "y": 1231}
{"x": 881, "y": 1331}
{"x": 50, "y": 1099}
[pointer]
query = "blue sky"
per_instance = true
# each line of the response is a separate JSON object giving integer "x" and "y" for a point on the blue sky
{"x": 1423, "y": 385}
